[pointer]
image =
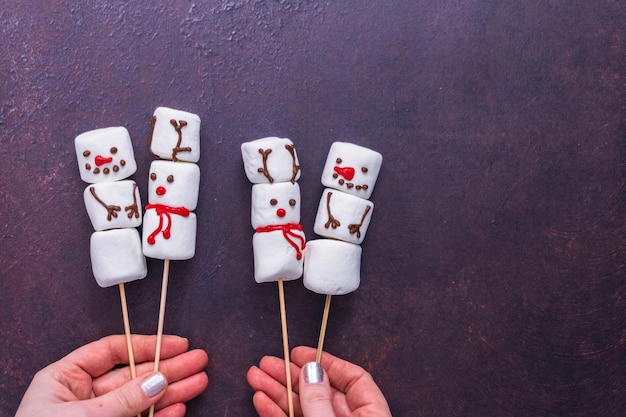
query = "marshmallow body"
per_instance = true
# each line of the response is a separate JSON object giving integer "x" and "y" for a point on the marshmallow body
{"x": 113, "y": 205}
{"x": 169, "y": 233}
{"x": 343, "y": 216}
{"x": 175, "y": 135}
{"x": 116, "y": 256}
{"x": 332, "y": 266}
{"x": 270, "y": 160}
{"x": 352, "y": 169}
{"x": 174, "y": 184}
{"x": 278, "y": 253}
{"x": 277, "y": 203}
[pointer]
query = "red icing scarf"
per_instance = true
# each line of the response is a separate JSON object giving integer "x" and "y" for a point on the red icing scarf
{"x": 288, "y": 234}
{"x": 165, "y": 211}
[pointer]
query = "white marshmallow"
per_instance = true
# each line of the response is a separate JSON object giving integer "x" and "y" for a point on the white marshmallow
{"x": 270, "y": 160}
{"x": 277, "y": 203}
{"x": 112, "y": 205}
{"x": 332, "y": 267}
{"x": 105, "y": 155}
{"x": 116, "y": 257}
{"x": 169, "y": 235}
{"x": 175, "y": 135}
{"x": 348, "y": 219}
{"x": 174, "y": 184}
{"x": 278, "y": 254}
{"x": 352, "y": 169}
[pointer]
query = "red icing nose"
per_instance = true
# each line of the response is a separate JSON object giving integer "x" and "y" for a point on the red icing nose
{"x": 281, "y": 212}
{"x": 161, "y": 190}
{"x": 101, "y": 160}
{"x": 347, "y": 172}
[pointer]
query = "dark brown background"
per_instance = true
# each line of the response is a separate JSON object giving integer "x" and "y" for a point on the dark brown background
{"x": 493, "y": 271}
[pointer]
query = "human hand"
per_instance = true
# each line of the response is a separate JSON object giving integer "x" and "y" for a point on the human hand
{"x": 89, "y": 381}
{"x": 342, "y": 390}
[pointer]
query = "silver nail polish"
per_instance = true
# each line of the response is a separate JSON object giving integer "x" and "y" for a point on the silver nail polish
{"x": 313, "y": 373}
{"x": 154, "y": 385}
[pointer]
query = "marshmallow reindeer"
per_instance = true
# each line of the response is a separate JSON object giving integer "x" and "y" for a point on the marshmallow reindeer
{"x": 169, "y": 230}
{"x": 271, "y": 164}
{"x": 105, "y": 159}
{"x": 333, "y": 265}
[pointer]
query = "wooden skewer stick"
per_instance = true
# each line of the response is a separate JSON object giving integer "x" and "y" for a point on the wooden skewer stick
{"x": 320, "y": 343}
{"x": 157, "y": 354}
{"x": 129, "y": 342}
{"x": 283, "y": 320}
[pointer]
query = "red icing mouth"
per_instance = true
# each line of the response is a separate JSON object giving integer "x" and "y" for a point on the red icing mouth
{"x": 281, "y": 212}
{"x": 101, "y": 160}
{"x": 161, "y": 190}
{"x": 347, "y": 172}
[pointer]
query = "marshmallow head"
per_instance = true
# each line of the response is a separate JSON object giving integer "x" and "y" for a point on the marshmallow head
{"x": 113, "y": 205}
{"x": 343, "y": 216}
{"x": 352, "y": 169}
{"x": 174, "y": 184}
{"x": 116, "y": 256}
{"x": 273, "y": 204}
{"x": 278, "y": 254}
{"x": 105, "y": 155}
{"x": 175, "y": 135}
{"x": 332, "y": 267}
{"x": 270, "y": 160}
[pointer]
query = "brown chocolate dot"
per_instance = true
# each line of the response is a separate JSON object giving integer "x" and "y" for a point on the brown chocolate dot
{"x": 292, "y": 202}
{"x": 339, "y": 160}
{"x": 96, "y": 171}
{"x": 115, "y": 168}
{"x": 335, "y": 175}
{"x": 86, "y": 154}
{"x": 153, "y": 176}
{"x": 365, "y": 187}
{"x": 341, "y": 182}
{"x": 106, "y": 171}
{"x": 123, "y": 163}
{"x": 88, "y": 167}
{"x": 170, "y": 178}
{"x": 349, "y": 185}
{"x": 273, "y": 201}
{"x": 114, "y": 150}
{"x": 364, "y": 170}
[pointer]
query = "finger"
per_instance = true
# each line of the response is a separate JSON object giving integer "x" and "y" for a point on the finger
{"x": 315, "y": 392}
{"x": 273, "y": 390}
{"x": 275, "y": 367}
{"x": 174, "y": 410}
{"x": 129, "y": 399}
{"x": 174, "y": 369}
{"x": 100, "y": 356}
{"x": 266, "y": 407}
{"x": 183, "y": 390}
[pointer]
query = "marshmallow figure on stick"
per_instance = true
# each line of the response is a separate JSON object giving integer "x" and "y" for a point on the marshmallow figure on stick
{"x": 169, "y": 230}
{"x": 333, "y": 265}
{"x": 271, "y": 164}
{"x": 105, "y": 161}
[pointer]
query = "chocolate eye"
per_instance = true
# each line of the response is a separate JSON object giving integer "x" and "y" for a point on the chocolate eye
{"x": 292, "y": 202}
{"x": 153, "y": 176}
{"x": 86, "y": 154}
{"x": 339, "y": 160}
{"x": 273, "y": 201}
{"x": 113, "y": 150}
{"x": 364, "y": 170}
{"x": 170, "y": 178}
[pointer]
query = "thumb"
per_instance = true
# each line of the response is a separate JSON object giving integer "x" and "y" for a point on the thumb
{"x": 131, "y": 398}
{"x": 315, "y": 393}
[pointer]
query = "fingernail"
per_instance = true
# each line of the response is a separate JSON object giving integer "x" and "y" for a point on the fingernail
{"x": 154, "y": 385}
{"x": 313, "y": 373}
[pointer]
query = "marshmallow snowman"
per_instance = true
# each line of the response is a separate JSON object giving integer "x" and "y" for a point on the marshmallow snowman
{"x": 271, "y": 164}
{"x": 333, "y": 265}
{"x": 169, "y": 229}
{"x": 105, "y": 159}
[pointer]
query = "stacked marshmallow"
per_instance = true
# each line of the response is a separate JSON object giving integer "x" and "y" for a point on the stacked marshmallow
{"x": 105, "y": 160}
{"x": 169, "y": 230}
{"x": 271, "y": 164}
{"x": 333, "y": 265}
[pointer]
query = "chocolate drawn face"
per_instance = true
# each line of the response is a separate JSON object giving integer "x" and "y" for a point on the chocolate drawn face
{"x": 277, "y": 203}
{"x": 174, "y": 184}
{"x": 352, "y": 169}
{"x": 105, "y": 155}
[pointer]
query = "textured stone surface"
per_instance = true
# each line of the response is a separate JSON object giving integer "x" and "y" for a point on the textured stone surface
{"x": 493, "y": 273}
